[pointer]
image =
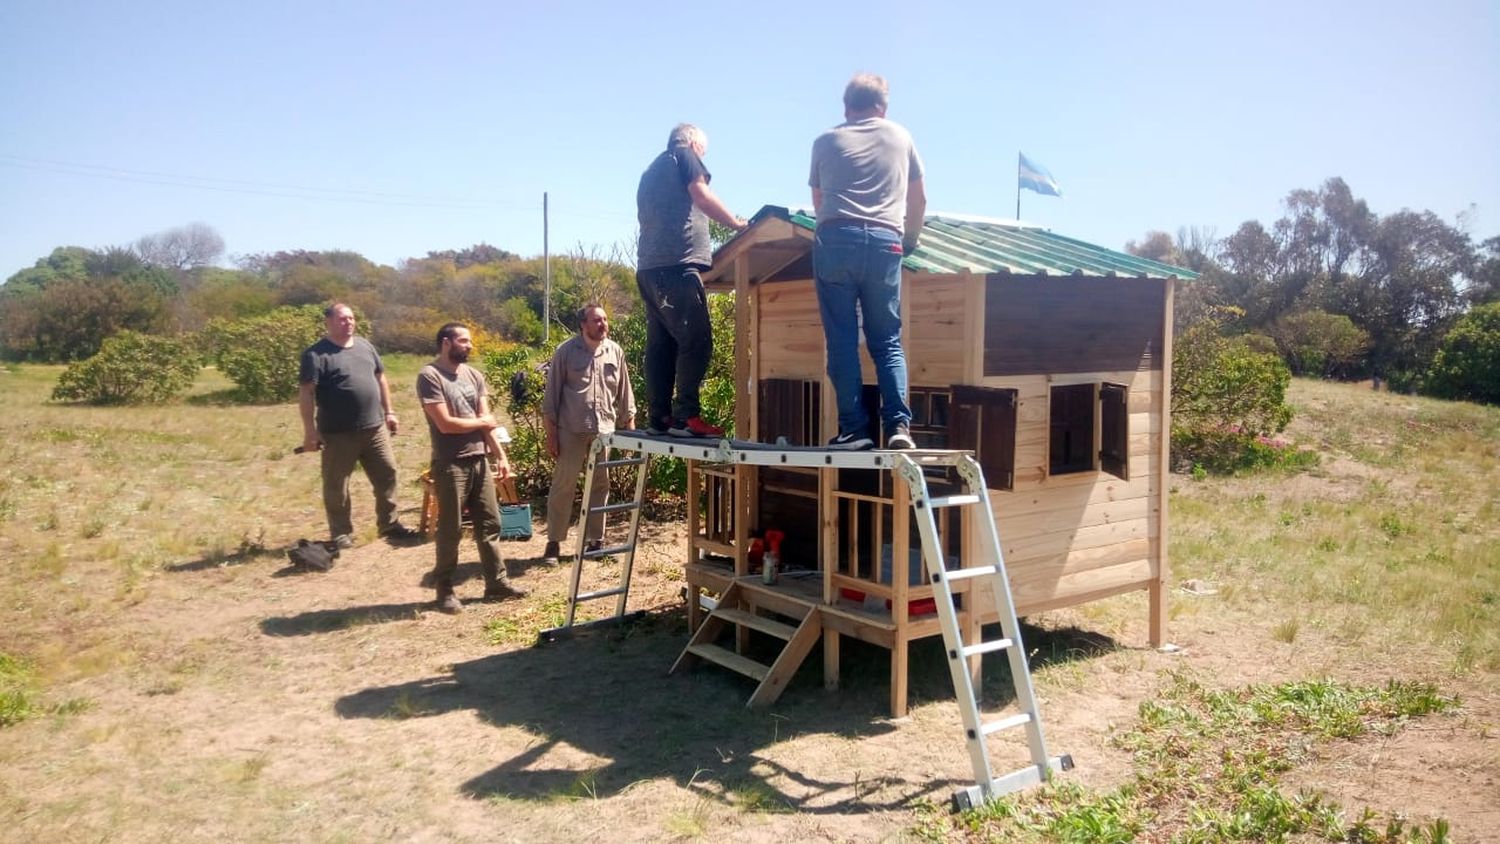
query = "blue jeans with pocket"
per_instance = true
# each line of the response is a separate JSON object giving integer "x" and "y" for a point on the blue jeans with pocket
{"x": 857, "y": 271}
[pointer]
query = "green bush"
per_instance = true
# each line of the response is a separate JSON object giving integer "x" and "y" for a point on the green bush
{"x": 1320, "y": 344}
{"x": 1227, "y": 399}
{"x": 261, "y": 354}
{"x": 1467, "y": 364}
{"x": 16, "y": 691}
{"x": 131, "y": 368}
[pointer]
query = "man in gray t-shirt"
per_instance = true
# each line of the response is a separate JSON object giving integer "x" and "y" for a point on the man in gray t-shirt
{"x": 345, "y": 404}
{"x": 867, "y": 190}
{"x": 456, "y": 403}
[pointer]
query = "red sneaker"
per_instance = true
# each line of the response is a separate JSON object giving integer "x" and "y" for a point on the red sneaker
{"x": 695, "y": 427}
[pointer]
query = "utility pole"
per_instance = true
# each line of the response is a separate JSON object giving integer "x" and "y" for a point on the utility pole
{"x": 546, "y": 276}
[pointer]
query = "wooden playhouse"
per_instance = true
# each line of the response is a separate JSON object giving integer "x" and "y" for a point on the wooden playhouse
{"x": 1048, "y": 357}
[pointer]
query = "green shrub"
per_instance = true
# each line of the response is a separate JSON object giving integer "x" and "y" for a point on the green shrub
{"x": 1320, "y": 344}
{"x": 131, "y": 368}
{"x": 16, "y": 692}
{"x": 1232, "y": 452}
{"x": 1467, "y": 364}
{"x": 261, "y": 354}
{"x": 1227, "y": 400}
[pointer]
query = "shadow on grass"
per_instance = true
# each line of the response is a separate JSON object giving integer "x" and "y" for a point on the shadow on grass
{"x": 606, "y": 693}
{"x": 329, "y": 621}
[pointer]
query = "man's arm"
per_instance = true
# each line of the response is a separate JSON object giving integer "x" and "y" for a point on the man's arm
{"x": 706, "y": 201}
{"x": 492, "y": 444}
{"x": 305, "y": 403}
{"x": 385, "y": 402}
{"x": 447, "y": 423}
{"x": 916, "y": 209}
{"x": 817, "y": 199}
{"x": 552, "y": 400}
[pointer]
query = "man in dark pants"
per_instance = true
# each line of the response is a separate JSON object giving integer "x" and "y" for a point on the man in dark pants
{"x": 455, "y": 399}
{"x": 866, "y": 185}
{"x": 342, "y": 378}
{"x": 674, "y": 204}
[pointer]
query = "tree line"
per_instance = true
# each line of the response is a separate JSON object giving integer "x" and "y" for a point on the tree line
{"x": 65, "y": 306}
{"x": 1338, "y": 291}
{"x": 1331, "y": 289}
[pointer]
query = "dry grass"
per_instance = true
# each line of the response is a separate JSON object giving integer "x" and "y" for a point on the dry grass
{"x": 165, "y": 647}
{"x": 1394, "y": 539}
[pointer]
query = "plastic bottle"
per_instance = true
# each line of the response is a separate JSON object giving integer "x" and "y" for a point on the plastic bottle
{"x": 771, "y": 561}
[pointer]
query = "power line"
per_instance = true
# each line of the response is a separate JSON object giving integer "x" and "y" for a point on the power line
{"x": 241, "y": 186}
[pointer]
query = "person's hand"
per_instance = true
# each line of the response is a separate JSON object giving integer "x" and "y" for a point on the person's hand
{"x": 311, "y": 442}
{"x": 909, "y": 246}
{"x": 391, "y": 423}
{"x": 740, "y": 224}
{"x": 488, "y": 421}
{"x": 502, "y": 467}
{"x": 552, "y": 449}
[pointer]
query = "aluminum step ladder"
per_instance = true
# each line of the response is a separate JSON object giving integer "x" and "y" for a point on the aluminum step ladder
{"x": 989, "y": 565}
{"x": 599, "y": 456}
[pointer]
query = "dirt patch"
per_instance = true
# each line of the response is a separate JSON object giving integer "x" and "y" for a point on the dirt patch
{"x": 260, "y": 703}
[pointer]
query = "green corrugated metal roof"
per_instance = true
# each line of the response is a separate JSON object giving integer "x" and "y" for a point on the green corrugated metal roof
{"x": 951, "y": 244}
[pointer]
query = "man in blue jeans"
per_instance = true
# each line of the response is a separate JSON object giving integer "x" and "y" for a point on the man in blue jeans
{"x": 674, "y": 204}
{"x": 867, "y": 191}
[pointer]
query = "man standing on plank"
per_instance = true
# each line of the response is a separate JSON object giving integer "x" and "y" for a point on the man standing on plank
{"x": 674, "y": 205}
{"x": 867, "y": 188}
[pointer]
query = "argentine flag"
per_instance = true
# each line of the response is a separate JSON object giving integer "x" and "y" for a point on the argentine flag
{"x": 1035, "y": 177}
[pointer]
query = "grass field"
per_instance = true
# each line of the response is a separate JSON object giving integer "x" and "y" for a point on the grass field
{"x": 164, "y": 676}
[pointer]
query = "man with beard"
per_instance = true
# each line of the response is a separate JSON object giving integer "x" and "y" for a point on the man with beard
{"x": 455, "y": 399}
{"x": 341, "y": 376}
{"x": 588, "y": 393}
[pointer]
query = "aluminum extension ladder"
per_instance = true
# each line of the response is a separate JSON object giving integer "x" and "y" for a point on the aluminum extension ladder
{"x": 599, "y": 457}
{"x": 989, "y": 565}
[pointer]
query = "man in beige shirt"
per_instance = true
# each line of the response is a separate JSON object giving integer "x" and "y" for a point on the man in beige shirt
{"x": 588, "y": 393}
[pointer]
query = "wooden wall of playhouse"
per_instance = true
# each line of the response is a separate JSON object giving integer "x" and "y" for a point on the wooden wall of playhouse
{"x": 1068, "y": 538}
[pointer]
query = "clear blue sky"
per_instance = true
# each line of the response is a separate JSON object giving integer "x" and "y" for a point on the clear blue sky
{"x": 395, "y": 128}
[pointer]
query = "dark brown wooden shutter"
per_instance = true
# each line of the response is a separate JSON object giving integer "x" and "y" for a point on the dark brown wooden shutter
{"x": 789, "y": 408}
{"x": 1114, "y": 434}
{"x": 983, "y": 420}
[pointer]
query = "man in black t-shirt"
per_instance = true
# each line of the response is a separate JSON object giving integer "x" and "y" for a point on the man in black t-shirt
{"x": 674, "y": 204}
{"x": 343, "y": 380}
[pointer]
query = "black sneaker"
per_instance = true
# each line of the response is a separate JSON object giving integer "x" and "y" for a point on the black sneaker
{"x": 550, "y": 554}
{"x": 659, "y": 426}
{"x": 851, "y": 442}
{"x": 900, "y": 439}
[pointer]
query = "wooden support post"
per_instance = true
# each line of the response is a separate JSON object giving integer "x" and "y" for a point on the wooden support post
{"x": 1162, "y": 569}
{"x": 898, "y": 673}
{"x": 829, "y": 562}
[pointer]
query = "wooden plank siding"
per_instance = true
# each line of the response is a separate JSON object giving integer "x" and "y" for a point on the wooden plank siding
{"x": 1036, "y": 324}
{"x": 1086, "y": 533}
{"x": 790, "y": 341}
{"x": 1067, "y": 538}
{"x": 933, "y": 329}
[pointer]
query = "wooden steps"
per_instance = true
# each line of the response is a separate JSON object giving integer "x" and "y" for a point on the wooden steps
{"x": 731, "y": 660}
{"x": 734, "y": 611}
